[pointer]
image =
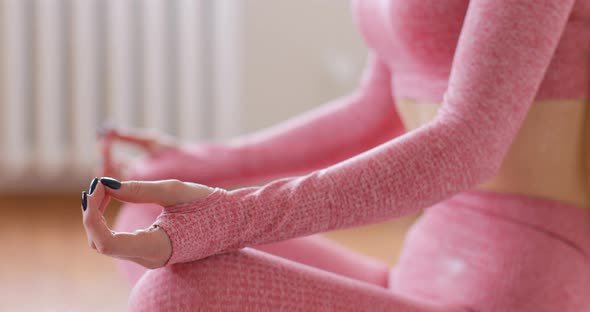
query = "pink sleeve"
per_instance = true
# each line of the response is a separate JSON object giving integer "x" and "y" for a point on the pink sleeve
{"x": 503, "y": 51}
{"x": 316, "y": 139}
{"x": 324, "y": 136}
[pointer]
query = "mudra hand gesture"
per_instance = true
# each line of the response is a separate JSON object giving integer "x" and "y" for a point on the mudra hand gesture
{"x": 149, "y": 247}
{"x": 150, "y": 142}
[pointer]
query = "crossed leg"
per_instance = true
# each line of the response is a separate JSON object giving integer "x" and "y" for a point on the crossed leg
{"x": 313, "y": 251}
{"x": 252, "y": 280}
{"x": 309, "y": 273}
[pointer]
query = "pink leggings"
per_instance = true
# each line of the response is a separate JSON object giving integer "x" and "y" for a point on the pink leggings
{"x": 477, "y": 251}
{"x": 307, "y": 273}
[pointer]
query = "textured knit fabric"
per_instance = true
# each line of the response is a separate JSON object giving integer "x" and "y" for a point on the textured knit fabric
{"x": 250, "y": 280}
{"x": 331, "y": 133}
{"x": 498, "y": 252}
{"x": 477, "y": 251}
{"x": 500, "y": 60}
{"x": 413, "y": 47}
{"x": 486, "y": 60}
{"x": 418, "y": 39}
{"x": 315, "y": 251}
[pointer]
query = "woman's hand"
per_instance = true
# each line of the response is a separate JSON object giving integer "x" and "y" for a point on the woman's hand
{"x": 165, "y": 158}
{"x": 150, "y": 142}
{"x": 149, "y": 247}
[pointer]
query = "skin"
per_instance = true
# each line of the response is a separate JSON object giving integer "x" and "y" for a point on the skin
{"x": 149, "y": 247}
{"x": 546, "y": 158}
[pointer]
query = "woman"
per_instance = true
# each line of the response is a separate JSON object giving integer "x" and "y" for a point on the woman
{"x": 498, "y": 165}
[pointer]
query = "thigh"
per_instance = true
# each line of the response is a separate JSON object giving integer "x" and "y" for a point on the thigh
{"x": 253, "y": 280}
{"x": 314, "y": 250}
{"x": 325, "y": 254}
{"x": 493, "y": 253}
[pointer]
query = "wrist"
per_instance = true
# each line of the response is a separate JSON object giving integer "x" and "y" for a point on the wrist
{"x": 191, "y": 227}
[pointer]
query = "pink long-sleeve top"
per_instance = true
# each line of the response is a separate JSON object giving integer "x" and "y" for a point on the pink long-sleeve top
{"x": 485, "y": 60}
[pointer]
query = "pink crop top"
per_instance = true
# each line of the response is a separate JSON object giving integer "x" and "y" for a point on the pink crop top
{"x": 418, "y": 39}
{"x": 484, "y": 60}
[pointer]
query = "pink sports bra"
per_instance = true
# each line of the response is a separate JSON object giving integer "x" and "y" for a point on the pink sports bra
{"x": 417, "y": 40}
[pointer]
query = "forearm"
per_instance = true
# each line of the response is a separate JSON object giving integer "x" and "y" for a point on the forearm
{"x": 326, "y": 135}
{"x": 331, "y": 133}
{"x": 498, "y": 68}
{"x": 338, "y": 130}
{"x": 386, "y": 182}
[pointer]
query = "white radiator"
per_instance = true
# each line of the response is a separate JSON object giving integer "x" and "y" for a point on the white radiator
{"x": 68, "y": 65}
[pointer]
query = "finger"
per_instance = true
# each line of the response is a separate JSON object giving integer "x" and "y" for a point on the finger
{"x": 138, "y": 244}
{"x": 91, "y": 191}
{"x": 105, "y": 129}
{"x": 149, "y": 141}
{"x": 109, "y": 167}
{"x": 105, "y": 151}
{"x": 93, "y": 184}
{"x": 137, "y": 137}
{"x": 92, "y": 187}
{"x": 93, "y": 246}
{"x": 106, "y": 199}
{"x": 147, "y": 247}
{"x": 114, "y": 169}
{"x": 95, "y": 225}
{"x": 84, "y": 207}
{"x": 163, "y": 192}
{"x": 106, "y": 138}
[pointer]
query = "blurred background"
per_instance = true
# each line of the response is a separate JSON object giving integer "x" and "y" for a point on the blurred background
{"x": 195, "y": 69}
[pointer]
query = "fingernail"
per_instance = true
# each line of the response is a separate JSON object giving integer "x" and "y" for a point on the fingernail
{"x": 93, "y": 185}
{"x": 111, "y": 183}
{"x": 84, "y": 200}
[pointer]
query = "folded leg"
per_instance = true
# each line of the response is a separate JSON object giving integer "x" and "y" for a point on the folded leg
{"x": 325, "y": 254}
{"x": 314, "y": 251}
{"x": 253, "y": 280}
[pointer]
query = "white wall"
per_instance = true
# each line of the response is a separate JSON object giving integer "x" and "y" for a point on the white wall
{"x": 139, "y": 63}
{"x": 295, "y": 55}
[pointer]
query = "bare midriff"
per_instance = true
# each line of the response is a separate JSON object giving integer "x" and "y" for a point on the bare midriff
{"x": 546, "y": 158}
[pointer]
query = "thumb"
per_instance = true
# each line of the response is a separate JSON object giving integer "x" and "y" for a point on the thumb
{"x": 163, "y": 192}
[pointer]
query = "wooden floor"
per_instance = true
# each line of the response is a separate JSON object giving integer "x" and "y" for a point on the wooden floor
{"x": 48, "y": 266}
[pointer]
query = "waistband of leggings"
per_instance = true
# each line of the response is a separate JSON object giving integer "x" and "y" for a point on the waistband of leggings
{"x": 565, "y": 220}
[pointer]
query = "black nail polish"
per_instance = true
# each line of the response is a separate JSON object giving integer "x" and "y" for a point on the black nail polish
{"x": 84, "y": 200}
{"x": 111, "y": 183}
{"x": 93, "y": 185}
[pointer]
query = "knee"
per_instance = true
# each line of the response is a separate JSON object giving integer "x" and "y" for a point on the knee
{"x": 210, "y": 284}
{"x": 171, "y": 288}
